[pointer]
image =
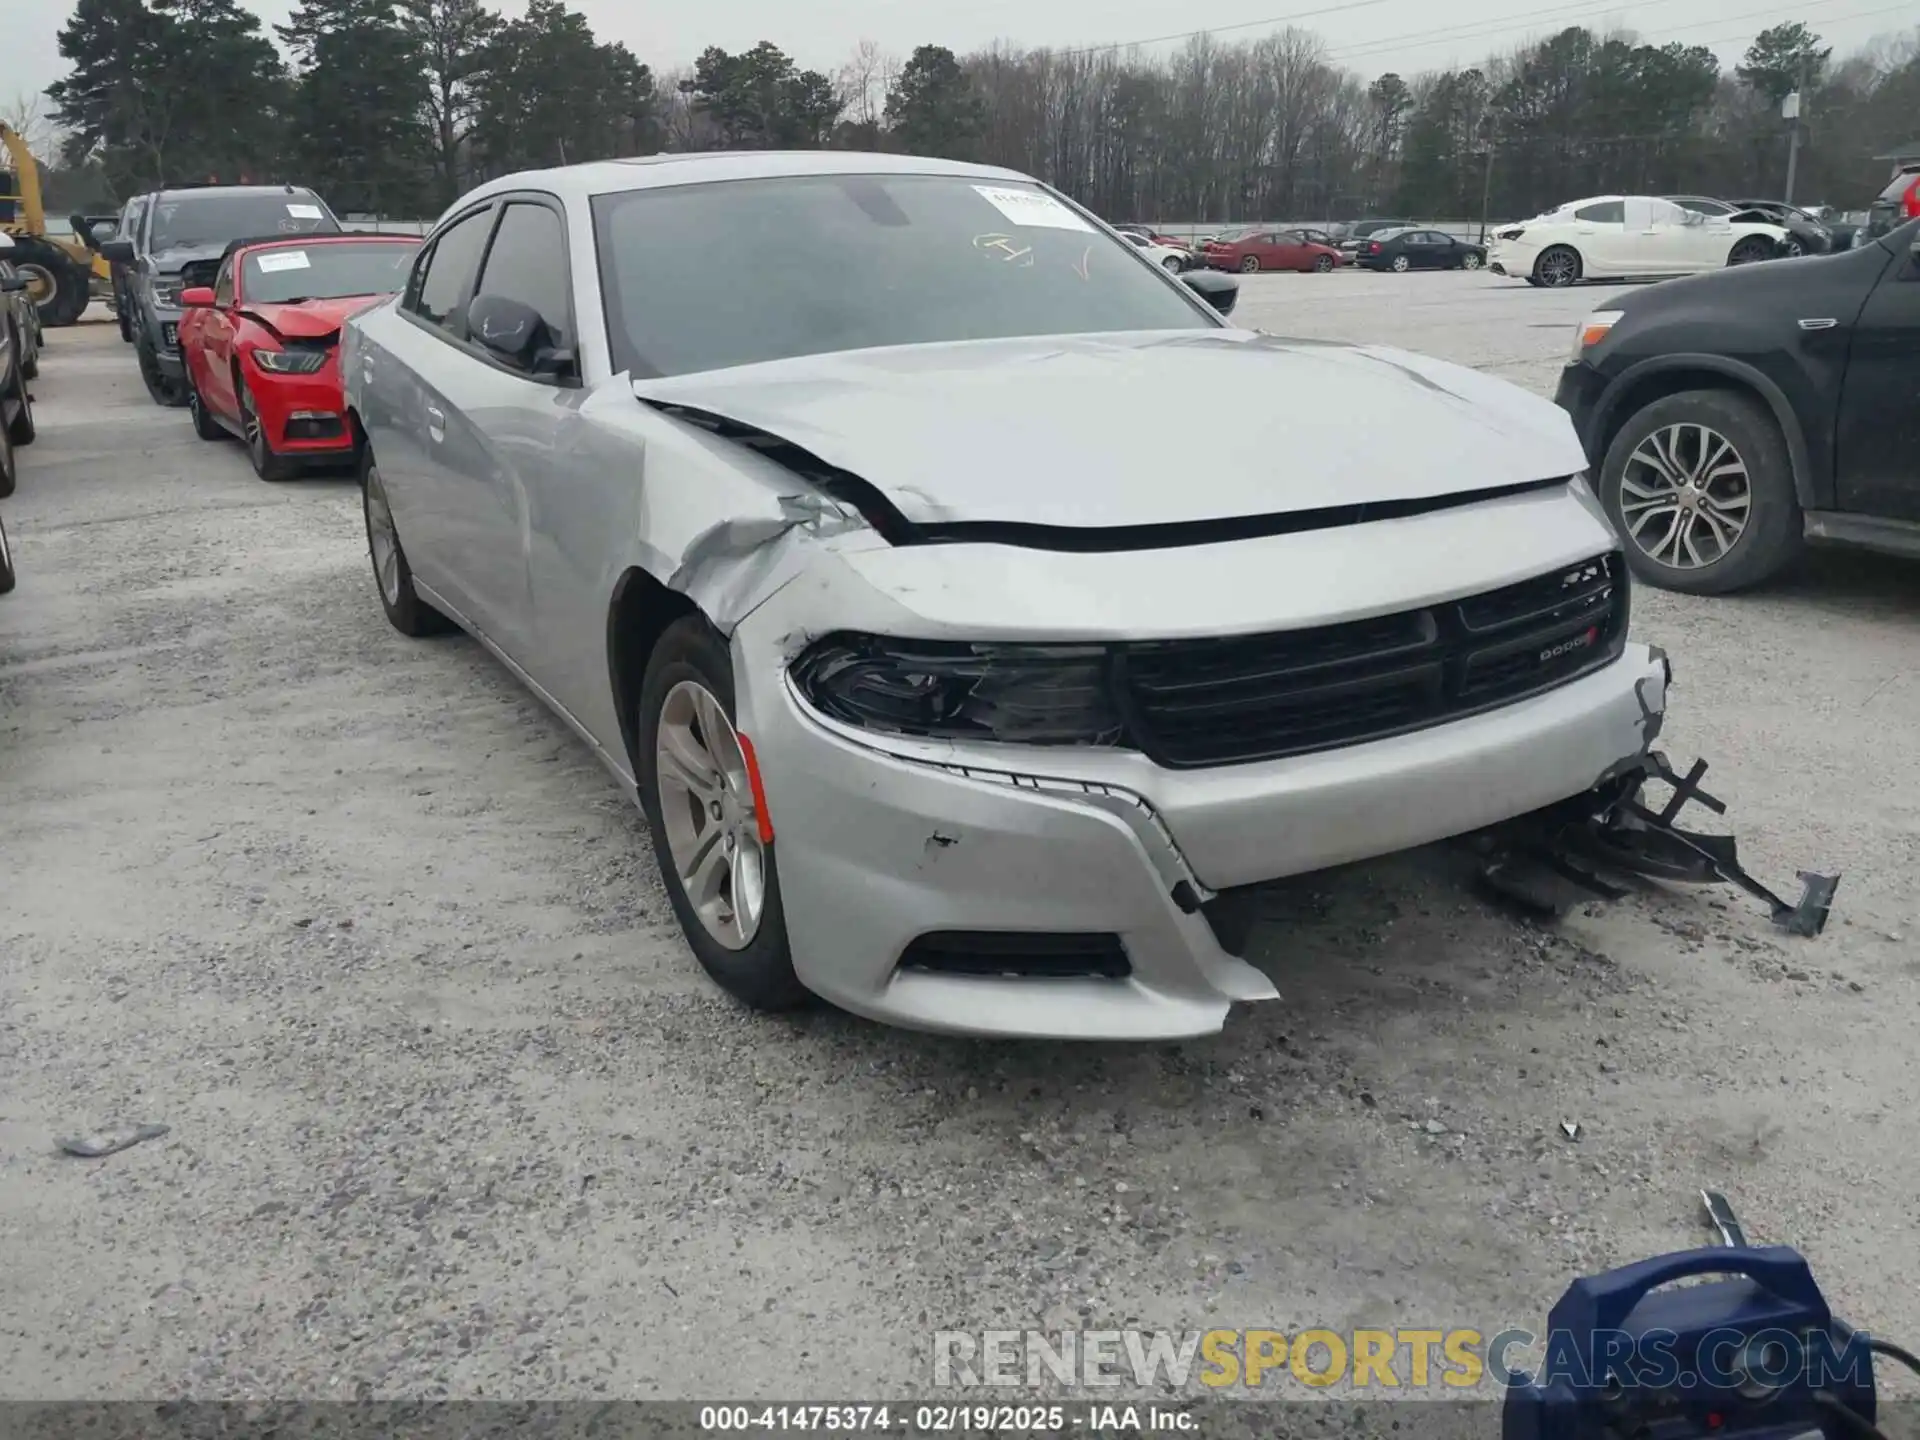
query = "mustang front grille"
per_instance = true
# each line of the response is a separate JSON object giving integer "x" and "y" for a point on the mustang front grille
{"x": 1260, "y": 697}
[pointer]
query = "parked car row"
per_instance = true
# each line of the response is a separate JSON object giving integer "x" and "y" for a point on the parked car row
{"x": 20, "y": 341}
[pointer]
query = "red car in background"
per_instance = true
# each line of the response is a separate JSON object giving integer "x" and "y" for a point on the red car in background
{"x": 1261, "y": 248}
{"x": 262, "y": 346}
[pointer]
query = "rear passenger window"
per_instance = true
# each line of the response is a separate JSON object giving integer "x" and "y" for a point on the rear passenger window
{"x": 448, "y": 267}
{"x": 1607, "y": 212}
{"x": 528, "y": 263}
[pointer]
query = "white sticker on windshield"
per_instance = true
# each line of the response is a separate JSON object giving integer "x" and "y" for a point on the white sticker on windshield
{"x": 272, "y": 261}
{"x": 304, "y": 212}
{"x": 1031, "y": 207}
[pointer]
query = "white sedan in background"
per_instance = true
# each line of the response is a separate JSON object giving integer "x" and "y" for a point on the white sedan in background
{"x": 1627, "y": 237}
{"x": 1165, "y": 256}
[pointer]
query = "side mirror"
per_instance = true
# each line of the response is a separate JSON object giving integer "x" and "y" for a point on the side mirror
{"x": 196, "y": 297}
{"x": 117, "y": 252}
{"x": 517, "y": 335}
{"x": 1222, "y": 292}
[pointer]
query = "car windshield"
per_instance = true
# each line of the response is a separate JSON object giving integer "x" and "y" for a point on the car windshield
{"x": 327, "y": 271}
{"x": 808, "y": 265}
{"x": 184, "y": 220}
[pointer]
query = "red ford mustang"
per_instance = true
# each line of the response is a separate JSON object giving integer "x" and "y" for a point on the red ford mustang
{"x": 262, "y": 346}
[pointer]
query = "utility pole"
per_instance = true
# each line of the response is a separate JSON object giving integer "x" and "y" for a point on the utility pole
{"x": 1486, "y": 187}
{"x": 1790, "y": 107}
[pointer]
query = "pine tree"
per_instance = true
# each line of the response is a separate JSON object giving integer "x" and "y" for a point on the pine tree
{"x": 360, "y": 106}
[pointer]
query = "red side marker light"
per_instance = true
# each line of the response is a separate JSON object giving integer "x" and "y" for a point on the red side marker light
{"x": 759, "y": 791}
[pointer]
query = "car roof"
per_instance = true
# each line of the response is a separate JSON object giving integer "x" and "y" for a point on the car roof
{"x": 651, "y": 172}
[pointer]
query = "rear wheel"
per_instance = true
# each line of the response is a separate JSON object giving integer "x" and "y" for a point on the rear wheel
{"x": 1250, "y": 264}
{"x": 1558, "y": 265}
{"x": 1171, "y": 265}
{"x": 1700, "y": 485}
{"x": 1401, "y": 264}
{"x": 703, "y": 811}
{"x": 1472, "y": 260}
{"x": 392, "y": 576}
{"x": 56, "y": 281}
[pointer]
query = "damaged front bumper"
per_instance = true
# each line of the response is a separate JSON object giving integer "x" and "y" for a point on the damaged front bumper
{"x": 1098, "y": 875}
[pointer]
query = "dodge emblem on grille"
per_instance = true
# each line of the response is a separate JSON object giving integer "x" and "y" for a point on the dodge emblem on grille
{"x": 1566, "y": 647}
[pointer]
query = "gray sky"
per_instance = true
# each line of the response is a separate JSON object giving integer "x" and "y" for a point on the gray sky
{"x": 1369, "y": 36}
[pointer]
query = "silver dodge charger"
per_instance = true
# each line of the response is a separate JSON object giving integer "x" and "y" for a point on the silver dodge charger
{"x": 972, "y": 609}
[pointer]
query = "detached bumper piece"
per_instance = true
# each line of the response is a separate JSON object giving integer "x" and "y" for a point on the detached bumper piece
{"x": 1549, "y": 861}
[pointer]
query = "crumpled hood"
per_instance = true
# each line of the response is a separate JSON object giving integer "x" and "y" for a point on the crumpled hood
{"x": 1142, "y": 428}
{"x": 310, "y": 319}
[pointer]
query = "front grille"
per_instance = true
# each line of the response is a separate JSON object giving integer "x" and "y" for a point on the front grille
{"x": 1261, "y": 697}
{"x": 1029, "y": 954}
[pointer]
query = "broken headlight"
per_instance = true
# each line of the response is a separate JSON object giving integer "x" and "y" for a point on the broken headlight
{"x": 944, "y": 690}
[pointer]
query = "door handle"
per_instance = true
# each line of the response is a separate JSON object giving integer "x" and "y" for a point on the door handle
{"x": 436, "y": 422}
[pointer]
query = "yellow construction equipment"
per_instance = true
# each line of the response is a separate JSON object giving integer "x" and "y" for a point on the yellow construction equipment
{"x": 60, "y": 270}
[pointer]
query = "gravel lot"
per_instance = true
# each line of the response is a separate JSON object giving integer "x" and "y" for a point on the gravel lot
{"x": 454, "y": 1113}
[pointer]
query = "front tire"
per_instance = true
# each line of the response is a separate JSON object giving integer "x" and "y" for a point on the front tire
{"x": 1171, "y": 265}
{"x": 161, "y": 390}
{"x": 9, "y": 471}
{"x": 268, "y": 463}
{"x": 1472, "y": 260}
{"x": 1557, "y": 267}
{"x": 1322, "y": 264}
{"x": 392, "y": 575}
{"x": 702, "y": 810}
{"x": 1750, "y": 251}
{"x": 21, "y": 429}
{"x": 1700, "y": 487}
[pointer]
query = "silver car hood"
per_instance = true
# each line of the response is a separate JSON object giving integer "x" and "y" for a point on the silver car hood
{"x": 1141, "y": 429}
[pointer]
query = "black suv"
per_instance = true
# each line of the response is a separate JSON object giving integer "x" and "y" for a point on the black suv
{"x": 177, "y": 243}
{"x": 1733, "y": 416}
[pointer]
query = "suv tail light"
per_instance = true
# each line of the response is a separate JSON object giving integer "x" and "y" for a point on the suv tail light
{"x": 1910, "y": 204}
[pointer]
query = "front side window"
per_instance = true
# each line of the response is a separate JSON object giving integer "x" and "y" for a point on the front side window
{"x": 528, "y": 262}
{"x": 184, "y": 220}
{"x": 328, "y": 270}
{"x": 455, "y": 256}
{"x": 809, "y": 265}
{"x": 223, "y": 283}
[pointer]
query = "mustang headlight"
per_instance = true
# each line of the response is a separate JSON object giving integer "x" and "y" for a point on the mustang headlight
{"x": 1022, "y": 694}
{"x": 290, "y": 362}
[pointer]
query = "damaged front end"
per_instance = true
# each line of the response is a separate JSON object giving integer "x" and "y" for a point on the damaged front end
{"x": 1598, "y": 843}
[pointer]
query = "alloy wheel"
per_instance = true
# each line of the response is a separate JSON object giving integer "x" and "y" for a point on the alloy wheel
{"x": 1470, "y": 261}
{"x": 382, "y": 539}
{"x": 1685, "y": 496}
{"x": 1558, "y": 268}
{"x": 1402, "y": 264}
{"x": 708, "y": 812}
{"x": 1250, "y": 264}
{"x": 250, "y": 422}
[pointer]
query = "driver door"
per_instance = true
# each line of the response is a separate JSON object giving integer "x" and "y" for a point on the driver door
{"x": 1289, "y": 251}
{"x": 1879, "y": 425}
{"x": 213, "y": 372}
